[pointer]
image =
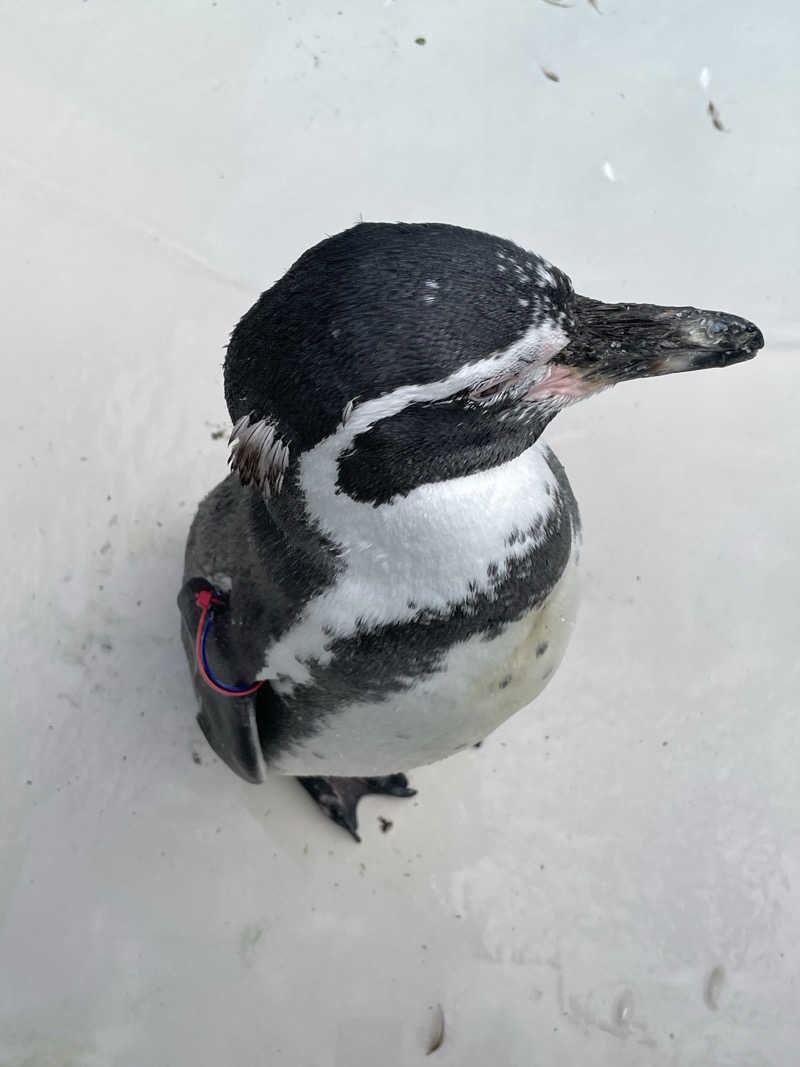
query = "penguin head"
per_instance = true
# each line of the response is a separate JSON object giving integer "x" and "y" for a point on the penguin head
{"x": 423, "y": 352}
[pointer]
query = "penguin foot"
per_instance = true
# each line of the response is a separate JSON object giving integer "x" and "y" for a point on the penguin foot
{"x": 339, "y": 797}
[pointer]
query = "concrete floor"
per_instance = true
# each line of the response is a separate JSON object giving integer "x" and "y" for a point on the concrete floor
{"x": 612, "y": 879}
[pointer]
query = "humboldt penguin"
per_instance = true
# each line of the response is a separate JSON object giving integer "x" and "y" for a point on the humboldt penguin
{"x": 390, "y": 569}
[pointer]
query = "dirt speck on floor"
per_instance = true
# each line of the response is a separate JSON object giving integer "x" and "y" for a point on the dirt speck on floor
{"x": 716, "y": 119}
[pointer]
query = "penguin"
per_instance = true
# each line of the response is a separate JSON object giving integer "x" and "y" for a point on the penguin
{"x": 390, "y": 569}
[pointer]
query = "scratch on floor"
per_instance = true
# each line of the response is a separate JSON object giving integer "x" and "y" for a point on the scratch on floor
{"x": 125, "y": 222}
{"x": 437, "y": 1036}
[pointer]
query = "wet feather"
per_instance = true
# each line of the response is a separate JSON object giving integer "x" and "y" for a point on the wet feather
{"x": 258, "y": 455}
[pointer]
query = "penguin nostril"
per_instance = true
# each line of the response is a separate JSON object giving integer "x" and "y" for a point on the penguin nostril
{"x": 717, "y": 330}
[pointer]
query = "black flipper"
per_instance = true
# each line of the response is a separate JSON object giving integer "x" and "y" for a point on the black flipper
{"x": 339, "y": 797}
{"x": 229, "y": 722}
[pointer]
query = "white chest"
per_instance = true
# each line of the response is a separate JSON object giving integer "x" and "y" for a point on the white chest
{"x": 478, "y": 685}
{"x": 431, "y": 549}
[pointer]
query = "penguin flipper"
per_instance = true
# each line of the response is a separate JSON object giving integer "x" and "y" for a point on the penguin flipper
{"x": 339, "y": 797}
{"x": 228, "y": 722}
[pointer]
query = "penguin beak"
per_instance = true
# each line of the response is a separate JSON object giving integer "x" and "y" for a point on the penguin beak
{"x": 617, "y": 342}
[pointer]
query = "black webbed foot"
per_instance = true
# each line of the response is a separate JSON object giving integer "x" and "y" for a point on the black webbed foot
{"x": 339, "y": 797}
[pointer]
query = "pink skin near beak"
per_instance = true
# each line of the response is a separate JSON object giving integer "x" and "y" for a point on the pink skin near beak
{"x": 562, "y": 381}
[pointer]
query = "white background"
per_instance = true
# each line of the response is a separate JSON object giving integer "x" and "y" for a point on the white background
{"x": 613, "y": 878}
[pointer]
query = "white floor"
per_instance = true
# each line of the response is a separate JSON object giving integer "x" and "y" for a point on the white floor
{"x": 613, "y": 878}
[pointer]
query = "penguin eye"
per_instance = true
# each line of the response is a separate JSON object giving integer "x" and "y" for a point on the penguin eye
{"x": 487, "y": 390}
{"x": 494, "y": 387}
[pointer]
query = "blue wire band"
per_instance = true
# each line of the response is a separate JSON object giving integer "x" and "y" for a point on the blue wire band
{"x": 228, "y": 688}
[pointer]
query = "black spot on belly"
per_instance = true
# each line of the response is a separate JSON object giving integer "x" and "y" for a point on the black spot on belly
{"x": 547, "y": 489}
{"x": 506, "y": 681}
{"x": 542, "y": 648}
{"x": 521, "y": 537}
